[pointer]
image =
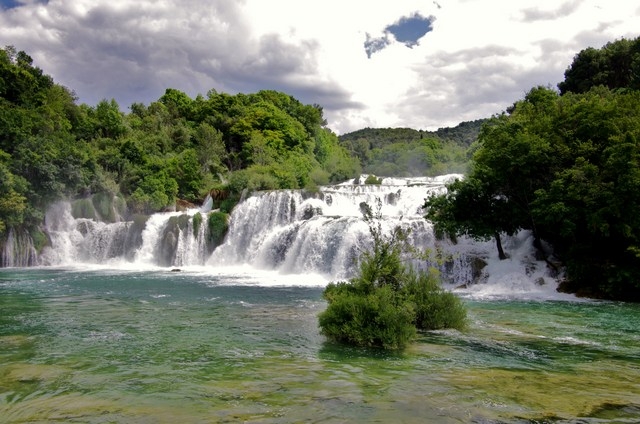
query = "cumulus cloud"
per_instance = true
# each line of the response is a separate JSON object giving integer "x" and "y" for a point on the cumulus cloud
{"x": 537, "y": 13}
{"x": 133, "y": 51}
{"x": 480, "y": 56}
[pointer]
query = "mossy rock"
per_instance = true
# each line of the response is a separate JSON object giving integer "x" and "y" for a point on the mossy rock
{"x": 197, "y": 223}
{"x": 134, "y": 235}
{"x": 169, "y": 240}
{"x": 40, "y": 239}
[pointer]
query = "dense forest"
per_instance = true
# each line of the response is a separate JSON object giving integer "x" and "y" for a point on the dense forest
{"x": 566, "y": 166}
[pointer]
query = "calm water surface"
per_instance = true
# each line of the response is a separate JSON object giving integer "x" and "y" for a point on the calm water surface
{"x": 164, "y": 347}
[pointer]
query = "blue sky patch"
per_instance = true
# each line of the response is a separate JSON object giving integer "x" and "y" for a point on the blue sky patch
{"x": 9, "y": 4}
{"x": 12, "y": 4}
{"x": 407, "y": 30}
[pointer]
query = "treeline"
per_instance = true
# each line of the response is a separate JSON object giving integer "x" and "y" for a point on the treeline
{"x": 566, "y": 166}
{"x": 174, "y": 148}
{"x": 405, "y": 152}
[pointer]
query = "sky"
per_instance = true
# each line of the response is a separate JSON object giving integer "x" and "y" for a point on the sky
{"x": 421, "y": 64}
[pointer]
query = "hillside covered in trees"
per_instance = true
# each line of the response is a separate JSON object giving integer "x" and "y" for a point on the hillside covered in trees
{"x": 566, "y": 166}
{"x": 174, "y": 148}
{"x": 404, "y": 152}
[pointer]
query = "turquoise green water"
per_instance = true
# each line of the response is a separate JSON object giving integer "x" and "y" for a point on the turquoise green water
{"x": 162, "y": 347}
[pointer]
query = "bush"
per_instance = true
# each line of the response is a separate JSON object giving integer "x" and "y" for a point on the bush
{"x": 372, "y": 179}
{"x": 367, "y": 319}
{"x": 387, "y": 302}
{"x": 229, "y": 203}
{"x": 435, "y": 307}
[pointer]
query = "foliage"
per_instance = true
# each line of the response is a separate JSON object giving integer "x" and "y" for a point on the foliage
{"x": 197, "y": 222}
{"x": 372, "y": 179}
{"x": 470, "y": 207}
{"x": 387, "y": 302}
{"x": 616, "y": 66}
{"x": 374, "y": 319}
{"x": 464, "y": 134}
{"x": 12, "y": 203}
{"x": 218, "y": 225}
{"x": 435, "y": 308}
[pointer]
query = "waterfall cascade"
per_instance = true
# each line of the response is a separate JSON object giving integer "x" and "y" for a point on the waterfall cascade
{"x": 17, "y": 250}
{"x": 290, "y": 231}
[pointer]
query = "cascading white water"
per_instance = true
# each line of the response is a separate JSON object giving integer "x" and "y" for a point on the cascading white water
{"x": 82, "y": 240}
{"x": 293, "y": 232}
{"x": 151, "y": 237}
{"x": 191, "y": 246}
{"x": 17, "y": 250}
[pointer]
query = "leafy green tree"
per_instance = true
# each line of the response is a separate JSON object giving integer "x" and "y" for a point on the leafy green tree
{"x": 616, "y": 66}
{"x": 154, "y": 192}
{"x": 210, "y": 148}
{"x": 178, "y": 103}
{"x": 471, "y": 207}
{"x": 188, "y": 175}
{"x": 109, "y": 119}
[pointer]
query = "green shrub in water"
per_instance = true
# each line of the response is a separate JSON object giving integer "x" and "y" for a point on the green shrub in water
{"x": 372, "y": 318}
{"x": 387, "y": 302}
{"x": 435, "y": 307}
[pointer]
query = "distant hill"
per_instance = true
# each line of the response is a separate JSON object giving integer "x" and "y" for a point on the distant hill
{"x": 462, "y": 134}
{"x": 408, "y": 152}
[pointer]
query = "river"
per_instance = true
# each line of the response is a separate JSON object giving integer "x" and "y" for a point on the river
{"x": 96, "y": 345}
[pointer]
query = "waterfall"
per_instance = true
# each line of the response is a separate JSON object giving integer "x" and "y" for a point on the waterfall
{"x": 296, "y": 232}
{"x": 291, "y": 231}
{"x": 287, "y": 231}
{"x": 17, "y": 250}
{"x": 83, "y": 240}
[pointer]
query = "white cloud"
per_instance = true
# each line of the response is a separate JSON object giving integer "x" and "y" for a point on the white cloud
{"x": 480, "y": 57}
